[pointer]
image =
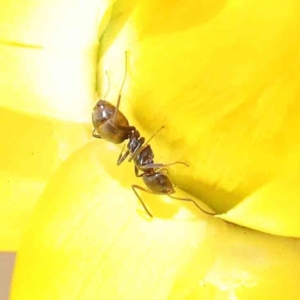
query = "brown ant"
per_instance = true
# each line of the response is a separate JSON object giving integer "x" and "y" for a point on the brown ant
{"x": 110, "y": 124}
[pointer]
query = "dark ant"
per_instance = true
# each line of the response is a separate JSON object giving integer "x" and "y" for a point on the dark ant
{"x": 110, "y": 124}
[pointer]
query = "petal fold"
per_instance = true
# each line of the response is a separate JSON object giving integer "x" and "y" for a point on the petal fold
{"x": 275, "y": 208}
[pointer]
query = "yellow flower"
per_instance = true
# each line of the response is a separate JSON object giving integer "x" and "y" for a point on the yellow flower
{"x": 222, "y": 77}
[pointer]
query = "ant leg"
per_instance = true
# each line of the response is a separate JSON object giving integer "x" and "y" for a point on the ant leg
{"x": 159, "y": 166}
{"x": 122, "y": 156}
{"x": 191, "y": 200}
{"x": 125, "y": 127}
{"x": 142, "y": 189}
{"x": 96, "y": 135}
{"x": 136, "y": 171}
{"x": 139, "y": 150}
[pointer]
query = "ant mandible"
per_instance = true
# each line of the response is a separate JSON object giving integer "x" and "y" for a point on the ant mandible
{"x": 110, "y": 124}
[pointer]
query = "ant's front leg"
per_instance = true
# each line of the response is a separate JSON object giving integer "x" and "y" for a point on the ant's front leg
{"x": 127, "y": 128}
{"x": 160, "y": 166}
{"x": 96, "y": 135}
{"x": 122, "y": 157}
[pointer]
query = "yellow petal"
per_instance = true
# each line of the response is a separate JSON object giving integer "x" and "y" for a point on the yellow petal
{"x": 246, "y": 265}
{"x": 47, "y": 75}
{"x": 225, "y": 85}
{"x": 33, "y": 149}
{"x": 211, "y": 83}
{"x": 86, "y": 240}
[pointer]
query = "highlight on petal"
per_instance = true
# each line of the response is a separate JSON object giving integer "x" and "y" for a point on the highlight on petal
{"x": 86, "y": 240}
{"x": 54, "y": 23}
{"x": 275, "y": 208}
{"x": 48, "y": 56}
{"x": 47, "y": 82}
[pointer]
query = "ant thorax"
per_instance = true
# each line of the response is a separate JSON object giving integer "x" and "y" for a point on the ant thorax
{"x": 145, "y": 157}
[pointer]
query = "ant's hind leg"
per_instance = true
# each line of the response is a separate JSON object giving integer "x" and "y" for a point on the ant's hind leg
{"x": 142, "y": 189}
{"x": 191, "y": 200}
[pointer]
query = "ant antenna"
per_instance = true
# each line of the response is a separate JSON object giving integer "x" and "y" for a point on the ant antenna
{"x": 154, "y": 134}
{"x": 141, "y": 148}
{"x": 125, "y": 74}
{"x": 108, "y": 80}
{"x": 121, "y": 88}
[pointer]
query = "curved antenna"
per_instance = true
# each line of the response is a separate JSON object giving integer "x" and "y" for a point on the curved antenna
{"x": 125, "y": 74}
{"x": 121, "y": 88}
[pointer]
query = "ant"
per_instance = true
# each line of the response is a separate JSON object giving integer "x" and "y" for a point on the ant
{"x": 110, "y": 124}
